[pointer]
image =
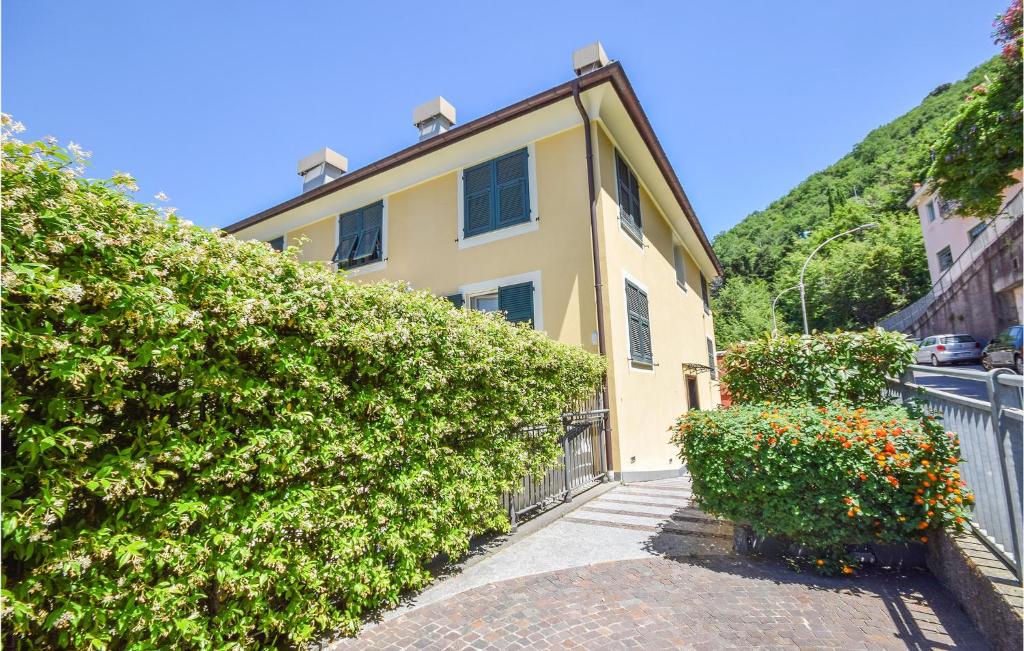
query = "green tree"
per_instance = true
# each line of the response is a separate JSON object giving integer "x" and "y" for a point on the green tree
{"x": 980, "y": 148}
{"x": 742, "y": 310}
{"x": 855, "y": 281}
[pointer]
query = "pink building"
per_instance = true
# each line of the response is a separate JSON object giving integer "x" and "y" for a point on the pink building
{"x": 946, "y": 234}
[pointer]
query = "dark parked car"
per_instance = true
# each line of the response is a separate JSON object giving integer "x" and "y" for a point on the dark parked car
{"x": 1005, "y": 349}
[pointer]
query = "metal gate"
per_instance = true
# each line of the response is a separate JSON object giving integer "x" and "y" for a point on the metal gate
{"x": 582, "y": 462}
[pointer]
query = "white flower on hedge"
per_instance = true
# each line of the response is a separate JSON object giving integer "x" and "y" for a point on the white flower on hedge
{"x": 161, "y": 196}
{"x": 72, "y": 293}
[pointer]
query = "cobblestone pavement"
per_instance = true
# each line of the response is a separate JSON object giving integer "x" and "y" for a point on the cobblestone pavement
{"x": 639, "y": 567}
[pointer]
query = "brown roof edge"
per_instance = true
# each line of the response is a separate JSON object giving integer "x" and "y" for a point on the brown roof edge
{"x": 643, "y": 125}
{"x": 610, "y": 73}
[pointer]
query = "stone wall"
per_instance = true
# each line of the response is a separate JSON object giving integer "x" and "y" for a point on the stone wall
{"x": 982, "y": 584}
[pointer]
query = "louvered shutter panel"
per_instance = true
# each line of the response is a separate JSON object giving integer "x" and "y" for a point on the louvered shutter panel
{"x": 704, "y": 292}
{"x": 639, "y": 325}
{"x": 477, "y": 182}
{"x": 622, "y": 181}
{"x": 277, "y": 243}
{"x": 512, "y": 187}
{"x": 516, "y": 301}
{"x": 350, "y": 227}
{"x": 711, "y": 359}
{"x": 634, "y": 196}
{"x": 370, "y": 232}
{"x": 456, "y": 299}
{"x": 679, "y": 260}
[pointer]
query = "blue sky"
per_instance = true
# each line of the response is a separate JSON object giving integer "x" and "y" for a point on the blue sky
{"x": 214, "y": 102}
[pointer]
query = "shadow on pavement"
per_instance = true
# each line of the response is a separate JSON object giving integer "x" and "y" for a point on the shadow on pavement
{"x": 915, "y": 601}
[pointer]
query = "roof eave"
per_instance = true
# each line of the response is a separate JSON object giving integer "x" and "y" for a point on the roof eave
{"x": 612, "y": 73}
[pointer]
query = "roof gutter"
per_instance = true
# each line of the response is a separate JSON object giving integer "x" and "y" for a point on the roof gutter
{"x": 598, "y": 285}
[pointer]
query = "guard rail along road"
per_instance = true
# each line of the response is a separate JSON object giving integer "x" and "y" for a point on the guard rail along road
{"x": 991, "y": 433}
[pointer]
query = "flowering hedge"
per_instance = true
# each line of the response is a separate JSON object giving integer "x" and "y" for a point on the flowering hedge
{"x": 207, "y": 443}
{"x": 843, "y": 366}
{"x": 825, "y": 477}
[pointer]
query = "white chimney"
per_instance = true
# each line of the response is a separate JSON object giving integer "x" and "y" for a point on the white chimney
{"x": 321, "y": 167}
{"x": 589, "y": 58}
{"x": 433, "y": 117}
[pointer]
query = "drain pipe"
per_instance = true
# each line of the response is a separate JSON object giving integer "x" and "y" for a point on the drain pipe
{"x": 598, "y": 288}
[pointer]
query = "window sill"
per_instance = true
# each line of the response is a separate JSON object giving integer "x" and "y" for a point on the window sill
{"x": 637, "y": 237}
{"x": 365, "y": 268}
{"x": 639, "y": 365}
{"x": 682, "y": 286}
{"x": 499, "y": 234}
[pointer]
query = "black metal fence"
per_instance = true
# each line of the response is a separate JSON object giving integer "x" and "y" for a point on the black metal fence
{"x": 582, "y": 462}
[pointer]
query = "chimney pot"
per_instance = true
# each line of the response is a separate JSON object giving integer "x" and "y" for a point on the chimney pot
{"x": 321, "y": 167}
{"x": 434, "y": 117}
{"x": 589, "y": 58}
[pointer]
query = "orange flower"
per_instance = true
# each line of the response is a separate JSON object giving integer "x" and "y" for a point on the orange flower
{"x": 924, "y": 539}
{"x": 847, "y": 569}
{"x": 922, "y": 525}
{"x": 795, "y": 441}
{"x": 863, "y": 477}
{"x": 820, "y": 562}
{"x": 851, "y": 513}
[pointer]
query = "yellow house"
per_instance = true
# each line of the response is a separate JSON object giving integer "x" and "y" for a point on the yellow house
{"x": 562, "y": 210}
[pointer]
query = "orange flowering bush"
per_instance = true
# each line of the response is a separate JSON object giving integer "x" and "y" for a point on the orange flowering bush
{"x": 826, "y": 477}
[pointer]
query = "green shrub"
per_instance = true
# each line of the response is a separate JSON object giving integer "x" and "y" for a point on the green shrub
{"x": 209, "y": 444}
{"x": 825, "y": 477}
{"x": 845, "y": 367}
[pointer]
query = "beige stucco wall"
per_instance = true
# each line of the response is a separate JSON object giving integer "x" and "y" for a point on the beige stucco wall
{"x": 320, "y": 239}
{"x": 646, "y": 402}
{"x": 421, "y": 241}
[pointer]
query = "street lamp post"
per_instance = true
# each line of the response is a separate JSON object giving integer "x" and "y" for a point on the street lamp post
{"x": 803, "y": 293}
{"x": 775, "y": 327}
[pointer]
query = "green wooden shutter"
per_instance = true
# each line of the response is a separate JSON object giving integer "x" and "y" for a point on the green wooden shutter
{"x": 704, "y": 293}
{"x": 516, "y": 301}
{"x": 711, "y": 359}
{"x": 350, "y": 225}
{"x": 629, "y": 196}
{"x": 637, "y": 311}
{"x": 511, "y": 189}
{"x": 456, "y": 299}
{"x": 477, "y": 183}
{"x": 368, "y": 247}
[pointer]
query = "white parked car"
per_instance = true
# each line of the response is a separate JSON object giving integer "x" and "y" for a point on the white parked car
{"x": 949, "y": 349}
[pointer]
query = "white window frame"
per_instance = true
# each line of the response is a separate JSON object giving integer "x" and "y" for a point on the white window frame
{"x": 636, "y": 367}
{"x": 492, "y": 285}
{"x": 508, "y": 231}
{"x": 381, "y": 264}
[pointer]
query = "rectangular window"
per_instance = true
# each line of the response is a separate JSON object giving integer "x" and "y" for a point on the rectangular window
{"x": 711, "y": 359}
{"x": 679, "y": 260}
{"x": 639, "y": 325}
{"x": 945, "y": 257}
{"x": 705, "y": 296}
{"x": 277, "y": 243}
{"x": 496, "y": 194}
{"x": 629, "y": 199}
{"x": 516, "y": 301}
{"x": 361, "y": 235}
{"x": 929, "y": 209}
{"x": 692, "y": 396}
{"x": 976, "y": 232}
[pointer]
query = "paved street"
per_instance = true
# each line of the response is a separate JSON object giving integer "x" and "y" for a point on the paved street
{"x": 639, "y": 567}
{"x": 958, "y": 386}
